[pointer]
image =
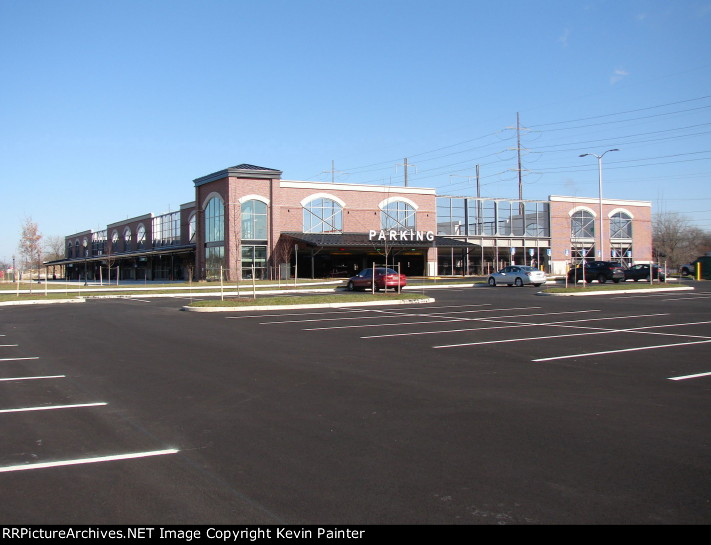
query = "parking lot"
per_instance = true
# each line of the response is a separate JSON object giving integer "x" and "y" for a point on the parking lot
{"x": 488, "y": 406}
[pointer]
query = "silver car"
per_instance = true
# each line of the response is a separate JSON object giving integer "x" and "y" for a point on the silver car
{"x": 518, "y": 275}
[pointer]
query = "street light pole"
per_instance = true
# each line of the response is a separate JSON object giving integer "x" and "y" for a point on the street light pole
{"x": 599, "y": 170}
{"x": 85, "y": 256}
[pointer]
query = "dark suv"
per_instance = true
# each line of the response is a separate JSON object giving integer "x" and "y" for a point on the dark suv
{"x": 602, "y": 271}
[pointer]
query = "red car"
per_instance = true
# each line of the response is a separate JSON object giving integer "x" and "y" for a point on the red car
{"x": 384, "y": 278}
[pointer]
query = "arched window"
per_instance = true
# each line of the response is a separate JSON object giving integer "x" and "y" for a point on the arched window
{"x": 215, "y": 220}
{"x": 322, "y": 215}
{"x": 397, "y": 215}
{"x": 582, "y": 224}
{"x": 254, "y": 220}
{"x": 141, "y": 237}
{"x": 127, "y": 239}
{"x": 620, "y": 226}
{"x": 115, "y": 241}
{"x": 70, "y": 247}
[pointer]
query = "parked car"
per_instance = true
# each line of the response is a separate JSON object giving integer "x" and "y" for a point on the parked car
{"x": 518, "y": 275}
{"x": 641, "y": 272}
{"x": 384, "y": 278}
{"x": 688, "y": 269}
{"x": 602, "y": 271}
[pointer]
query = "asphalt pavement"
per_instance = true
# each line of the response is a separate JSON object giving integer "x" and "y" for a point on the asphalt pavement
{"x": 488, "y": 406}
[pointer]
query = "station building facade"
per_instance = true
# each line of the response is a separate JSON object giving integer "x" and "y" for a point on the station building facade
{"x": 246, "y": 222}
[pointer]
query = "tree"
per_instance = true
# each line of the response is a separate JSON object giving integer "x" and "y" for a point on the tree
{"x": 675, "y": 239}
{"x": 30, "y": 246}
{"x": 54, "y": 250}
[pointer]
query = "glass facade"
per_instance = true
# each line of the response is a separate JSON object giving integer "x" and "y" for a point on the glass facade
{"x": 166, "y": 229}
{"x": 460, "y": 216}
{"x": 323, "y": 216}
{"x": 620, "y": 226}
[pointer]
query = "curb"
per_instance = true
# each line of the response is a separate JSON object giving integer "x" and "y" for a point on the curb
{"x": 314, "y": 305}
{"x": 41, "y": 302}
{"x": 615, "y": 292}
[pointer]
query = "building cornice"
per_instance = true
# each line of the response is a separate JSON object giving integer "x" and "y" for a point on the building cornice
{"x": 592, "y": 200}
{"x": 327, "y": 186}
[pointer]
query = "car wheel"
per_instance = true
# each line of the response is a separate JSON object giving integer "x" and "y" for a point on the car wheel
{"x": 351, "y": 287}
{"x": 537, "y": 285}
{"x": 635, "y": 279}
{"x": 602, "y": 279}
{"x": 492, "y": 282}
{"x": 646, "y": 278}
{"x": 616, "y": 280}
{"x": 518, "y": 282}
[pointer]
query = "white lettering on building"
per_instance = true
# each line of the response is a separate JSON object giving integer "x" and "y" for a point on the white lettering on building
{"x": 403, "y": 236}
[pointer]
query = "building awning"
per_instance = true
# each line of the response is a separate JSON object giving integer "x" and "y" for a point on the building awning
{"x": 163, "y": 251}
{"x": 362, "y": 240}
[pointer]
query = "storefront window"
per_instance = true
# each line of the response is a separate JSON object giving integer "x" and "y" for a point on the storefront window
{"x": 254, "y": 262}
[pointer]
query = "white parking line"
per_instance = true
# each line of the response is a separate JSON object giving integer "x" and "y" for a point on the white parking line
{"x": 17, "y": 359}
{"x": 6, "y": 345}
{"x": 598, "y": 331}
{"x": 30, "y": 378}
{"x": 346, "y": 311}
{"x": 51, "y": 407}
{"x": 42, "y": 465}
{"x": 426, "y": 322}
{"x": 621, "y": 350}
{"x": 697, "y": 375}
{"x": 377, "y": 314}
{"x": 510, "y": 325}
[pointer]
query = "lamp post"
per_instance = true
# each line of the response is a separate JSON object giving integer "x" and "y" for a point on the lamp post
{"x": 599, "y": 169}
{"x": 85, "y": 256}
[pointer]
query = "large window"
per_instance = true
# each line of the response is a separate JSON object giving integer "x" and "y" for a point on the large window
{"x": 127, "y": 239}
{"x": 115, "y": 242}
{"x": 323, "y": 215}
{"x": 254, "y": 220}
{"x": 398, "y": 216}
{"x": 215, "y": 220}
{"x": 214, "y": 238}
{"x": 582, "y": 225}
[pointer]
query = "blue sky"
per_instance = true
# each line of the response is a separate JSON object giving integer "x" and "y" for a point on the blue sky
{"x": 109, "y": 109}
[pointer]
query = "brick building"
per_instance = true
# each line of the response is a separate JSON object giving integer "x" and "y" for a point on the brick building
{"x": 247, "y": 222}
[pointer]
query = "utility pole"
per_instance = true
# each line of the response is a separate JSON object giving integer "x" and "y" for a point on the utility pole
{"x": 332, "y": 171}
{"x": 518, "y": 149}
{"x": 518, "y": 153}
{"x": 405, "y": 166}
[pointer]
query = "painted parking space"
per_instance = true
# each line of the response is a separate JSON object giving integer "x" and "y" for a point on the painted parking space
{"x": 31, "y": 428}
{"x": 576, "y": 334}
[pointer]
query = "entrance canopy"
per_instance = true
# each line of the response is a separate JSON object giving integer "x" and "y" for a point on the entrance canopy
{"x": 333, "y": 241}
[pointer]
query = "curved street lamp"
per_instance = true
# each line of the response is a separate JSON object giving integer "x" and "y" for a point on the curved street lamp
{"x": 599, "y": 168}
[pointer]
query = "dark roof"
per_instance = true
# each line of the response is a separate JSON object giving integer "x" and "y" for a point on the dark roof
{"x": 245, "y": 166}
{"x": 360, "y": 240}
{"x": 240, "y": 171}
